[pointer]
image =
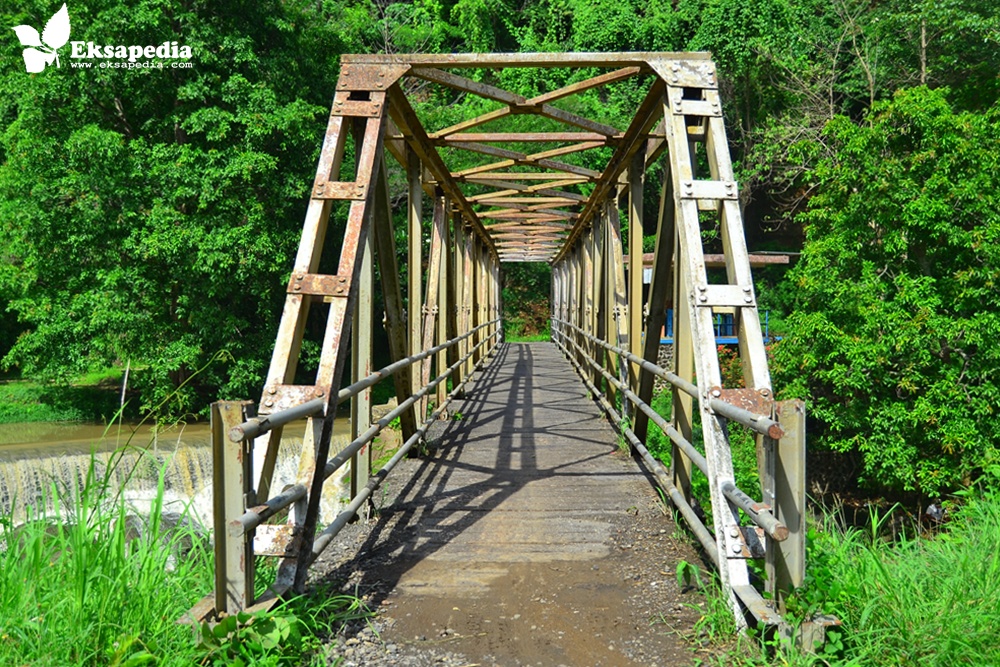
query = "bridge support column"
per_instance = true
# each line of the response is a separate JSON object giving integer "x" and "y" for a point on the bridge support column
{"x": 414, "y": 272}
{"x": 635, "y": 302}
{"x": 232, "y": 489}
{"x": 786, "y": 561}
{"x": 361, "y": 367}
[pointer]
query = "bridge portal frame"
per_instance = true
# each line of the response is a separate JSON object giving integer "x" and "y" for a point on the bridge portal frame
{"x": 454, "y": 307}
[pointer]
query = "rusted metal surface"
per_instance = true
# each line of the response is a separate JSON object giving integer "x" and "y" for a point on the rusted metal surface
{"x": 758, "y": 401}
{"x": 322, "y": 285}
{"x": 757, "y": 422}
{"x": 577, "y": 59}
{"x": 661, "y": 285}
{"x": 282, "y": 397}
{"x": 340, "y": 190}
{"x": 633, "y": 141}
{"x": 343, "y": 105}
{"x": 232, "y": 475}
{"x": 363, "y": 76}
{"x": 543, "y": 205}
{"x": 384, "y": 244}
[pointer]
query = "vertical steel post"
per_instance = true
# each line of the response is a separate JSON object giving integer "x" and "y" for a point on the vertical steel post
{"x": 361, "y": 366}
{"x": 660, "y": 288}
{"x": 635, "y": 221}
{"x": 786, "y": 561}
{"x": 384, "y": 243}
{"x": 455, "y": 296}
{"x": 468, "y": 287}
{"x": 682, "y": 411}
{"x": 414, "y": 271}
{"x": 475, "y": 303}
{"x": 618, "y": 285}
{"x": 443, "y": 303}
{"x": 433, "y": 283}
{"x": 232, "y": 480}
{"x": 587, "y": 283}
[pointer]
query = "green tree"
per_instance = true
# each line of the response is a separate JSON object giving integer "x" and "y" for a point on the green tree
{"x": 896, "y": 331}
{"x": 149, "y": 215}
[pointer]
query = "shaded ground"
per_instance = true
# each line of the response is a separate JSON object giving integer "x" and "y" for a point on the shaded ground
{"x": 524, "y": 538}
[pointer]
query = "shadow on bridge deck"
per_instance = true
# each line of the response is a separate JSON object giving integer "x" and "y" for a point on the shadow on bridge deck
{"x": 514, "y": 534}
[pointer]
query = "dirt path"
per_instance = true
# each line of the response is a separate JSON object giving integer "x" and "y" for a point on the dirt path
{"x": 524, "y": 538}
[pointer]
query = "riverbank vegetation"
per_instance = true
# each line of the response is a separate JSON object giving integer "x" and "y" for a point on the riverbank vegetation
{"x": 88, "y": 581}
{"x": 148, "y": 218}
{"x": 94, "y": 397}
{"x": 925, "y": 597}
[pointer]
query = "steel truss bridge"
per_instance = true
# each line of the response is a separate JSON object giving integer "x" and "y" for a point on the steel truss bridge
{"x": 527, "y": 199}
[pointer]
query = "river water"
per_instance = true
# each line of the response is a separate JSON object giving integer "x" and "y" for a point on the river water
{"x": 39, "y": 461}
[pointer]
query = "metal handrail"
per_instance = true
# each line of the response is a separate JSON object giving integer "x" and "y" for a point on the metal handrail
{"x": 683, "y": 443}
{"x": 255, "y": 516}
{"x": 258, "y": 426}
{"x": 759, "y": 513}
{"x": 759, "y": 423}
{"x": 672, "y": 378}
{"x": 330, "y": 532}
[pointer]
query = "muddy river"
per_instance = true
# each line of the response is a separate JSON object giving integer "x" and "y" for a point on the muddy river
{"x": 40, "y": 461}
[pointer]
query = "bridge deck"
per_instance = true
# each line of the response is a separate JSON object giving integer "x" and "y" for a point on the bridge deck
{"x": 527, "y": 537}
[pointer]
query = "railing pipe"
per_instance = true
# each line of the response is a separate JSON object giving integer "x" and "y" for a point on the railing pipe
{"x": 759, "y": 513}
{"x": 326, "y": 536}
{"x": 672, "y": 378}
{"x": 255, "y": 516}
{"x": 261, "y": 425}
{"x": 755, "y": 422}
{"x": 685, "y": 446}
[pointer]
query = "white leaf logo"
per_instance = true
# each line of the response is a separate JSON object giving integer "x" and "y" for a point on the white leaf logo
{"x": 54, "y": 36}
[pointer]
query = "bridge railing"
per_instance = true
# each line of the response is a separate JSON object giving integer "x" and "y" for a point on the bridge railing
{"x": 773, "y": 535}
{"x": 233, "y": 432}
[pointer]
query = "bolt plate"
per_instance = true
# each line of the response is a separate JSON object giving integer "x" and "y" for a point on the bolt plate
{"x": 344, "y": 106}
{"x": 340, "y": 190}
{"x": 709, "y": 190}
{"x": 751, "y": 400}
{"x": 355, "y": 76}
{"x": 288, "y": 396}
{"x": 318, "y": 284}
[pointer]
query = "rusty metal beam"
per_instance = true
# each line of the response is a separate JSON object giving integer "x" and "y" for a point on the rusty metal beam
{"x": 523, "y": 176}
{"x": 512, "y": 100}
{"x": 523, "y": 137}
{"x": 635, "y": 139}
{"x": 516, "y": 159}
{"x": 577, "y": 60}
{"x": 413, "y": 132}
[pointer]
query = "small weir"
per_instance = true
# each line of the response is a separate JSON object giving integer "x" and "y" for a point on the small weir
{"x": 40, "y": 460}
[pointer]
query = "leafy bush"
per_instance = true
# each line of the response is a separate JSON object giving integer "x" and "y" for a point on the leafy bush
{"x": 896, "y": 331}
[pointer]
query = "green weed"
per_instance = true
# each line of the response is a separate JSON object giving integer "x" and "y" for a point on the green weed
{"x": 86, "y": 585}
{"x": 919, "y": 600}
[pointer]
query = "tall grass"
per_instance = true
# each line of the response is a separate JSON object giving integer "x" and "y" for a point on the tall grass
{"x": 923, "y": 600}
{"x": 85, "y": 582}
{"x": 87, "y": 585}
{"x": 929, "y": 600}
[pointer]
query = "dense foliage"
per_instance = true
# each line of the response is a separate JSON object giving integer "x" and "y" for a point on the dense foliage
{"x": 148, "y": 216}
{"x": 896, "y": 333}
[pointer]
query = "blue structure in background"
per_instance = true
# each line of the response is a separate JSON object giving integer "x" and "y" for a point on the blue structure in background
{"x": 725, "y": 329}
